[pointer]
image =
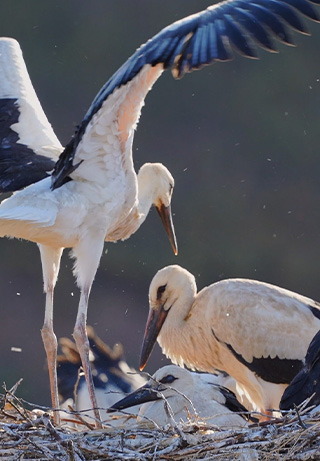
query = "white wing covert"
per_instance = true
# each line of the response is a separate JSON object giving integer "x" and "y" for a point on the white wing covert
{"x": 239, "y": 324}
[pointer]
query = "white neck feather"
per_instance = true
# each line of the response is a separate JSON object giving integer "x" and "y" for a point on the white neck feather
{"x": 184, "y": 337}
{"x": 130, "y": 223}
{"x": 175, "y": 337}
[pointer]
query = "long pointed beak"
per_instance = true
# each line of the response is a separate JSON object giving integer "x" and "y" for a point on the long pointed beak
{"x": 142, "y": 395}
{"x": 166, "y": 218}
{"x": 154, "y": 324}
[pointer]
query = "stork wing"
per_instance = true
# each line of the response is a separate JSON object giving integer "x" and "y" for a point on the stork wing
{"x": 267, "y": 328}
{"x": 28, "y": 146}
{"x": 34, "y": 205}
{"x": 184, "y": 46}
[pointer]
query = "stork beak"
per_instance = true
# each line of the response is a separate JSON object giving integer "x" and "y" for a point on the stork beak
{"x": 166, "y": 218}
{"x": 154, "y": 324}
{"x": 142, "y": 395}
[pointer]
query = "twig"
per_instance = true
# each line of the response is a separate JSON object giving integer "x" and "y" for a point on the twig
{"x": 45, "y": 419}
{"x": 79, "y": 417}
{"x": 169, "y": 414}
{"x": 299, "y": 417}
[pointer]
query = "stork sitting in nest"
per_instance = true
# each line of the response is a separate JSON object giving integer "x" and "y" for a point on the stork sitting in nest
{"x": 174, "y": 395}
{"x": 256, "y": 332}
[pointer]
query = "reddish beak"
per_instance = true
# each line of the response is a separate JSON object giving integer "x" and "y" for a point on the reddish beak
{"x": 166, "y": 218}
{"x": 154, "y": 324}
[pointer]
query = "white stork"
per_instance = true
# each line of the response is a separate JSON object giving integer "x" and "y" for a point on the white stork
{"x": 306, "y": 384}
{"x": 106, "y": 201}
{"x": 188, "y": 396}
{"x": 93, "y": 193}
{"x": 256, "y": 332}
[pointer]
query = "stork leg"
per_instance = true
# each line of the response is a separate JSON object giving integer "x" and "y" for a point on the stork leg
{"x": 87, "y": 256}
{"x": 81, "y": 339}
{"x": 50, "y": 259}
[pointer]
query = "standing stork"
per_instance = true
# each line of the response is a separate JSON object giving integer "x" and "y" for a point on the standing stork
{"x": 106, "y": 200}
{"x": 256, "y": 332}
{"x": 93, "y": 193}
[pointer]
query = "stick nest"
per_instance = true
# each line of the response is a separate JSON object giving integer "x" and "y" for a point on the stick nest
{"x": 30, "y": 435}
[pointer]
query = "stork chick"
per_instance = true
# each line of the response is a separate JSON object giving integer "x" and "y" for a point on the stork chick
{"x": 189, "y": 396}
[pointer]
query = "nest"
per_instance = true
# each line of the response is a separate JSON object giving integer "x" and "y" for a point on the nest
{"x": 30, "y": 435}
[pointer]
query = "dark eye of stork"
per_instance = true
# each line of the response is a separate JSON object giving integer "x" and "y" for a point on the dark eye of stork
{"x": 161, "y": 290}
{"x": 170, "y": 188}
{"x": 167, "y": 379}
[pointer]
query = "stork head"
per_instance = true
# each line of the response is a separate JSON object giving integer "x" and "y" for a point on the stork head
{"x": 171, "y": 382}
{"x": 156, "y": 182}
{"x": 171, "y": 295}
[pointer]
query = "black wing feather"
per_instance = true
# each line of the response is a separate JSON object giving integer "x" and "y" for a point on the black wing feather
{"x": 285, "y": 12}
{"x": 270, "y": 20}
{"x": 233, "y": 404}
{"x": 249, "y": 22}
{"x": 19, "y": 165}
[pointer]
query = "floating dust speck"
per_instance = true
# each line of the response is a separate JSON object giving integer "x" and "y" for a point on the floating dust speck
{"x": 15, "y": 349}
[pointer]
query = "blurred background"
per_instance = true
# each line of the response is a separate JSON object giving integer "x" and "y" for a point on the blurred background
{"x": 240, "y": 138}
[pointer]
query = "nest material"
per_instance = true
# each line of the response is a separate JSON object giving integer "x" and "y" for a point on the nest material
{"x": 30, "y": 435}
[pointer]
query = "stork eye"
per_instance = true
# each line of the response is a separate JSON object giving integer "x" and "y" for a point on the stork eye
{"x": 168, "y": 379}
{"x": 161, "y": 290}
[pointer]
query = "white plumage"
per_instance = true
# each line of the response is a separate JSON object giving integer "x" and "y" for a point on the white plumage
{"x": 93, "y": 193}
{"x": 188, "y": 396}
{"x": 256, "y": 332}
{"x": 32, "y": 127}
{"x": 106, "y": 200}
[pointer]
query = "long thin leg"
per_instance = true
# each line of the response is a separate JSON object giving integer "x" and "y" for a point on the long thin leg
{"x": 87, "y": 254}
{"x": 50, "y": 258}
{"x": 81, "y": 339}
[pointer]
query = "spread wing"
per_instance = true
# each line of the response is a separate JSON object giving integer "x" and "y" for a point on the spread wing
{"x": 28, "y": 146}
{"x": 184, "y": 46}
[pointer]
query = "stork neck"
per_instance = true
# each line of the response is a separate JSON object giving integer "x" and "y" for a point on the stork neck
{"x": 145, "y": 199}
{"x": 188, "y": 341}
{"x": 131, "y": 222}
{"x": 176, "y": 335}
